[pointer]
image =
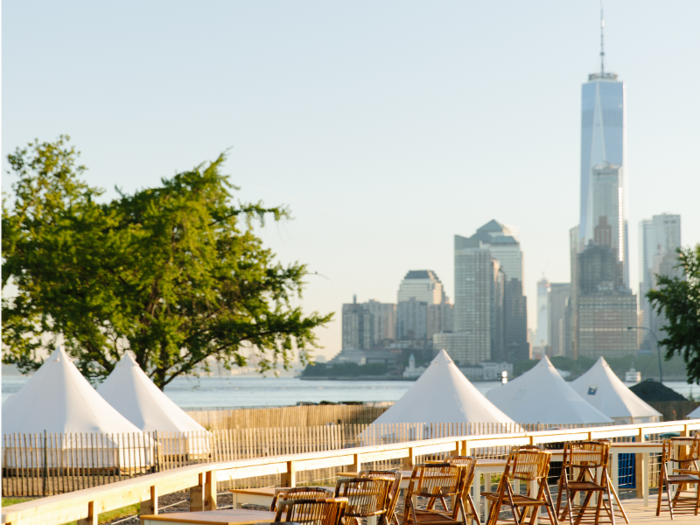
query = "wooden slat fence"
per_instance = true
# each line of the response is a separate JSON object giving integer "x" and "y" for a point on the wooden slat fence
{"x": 46, "y": 464}
{"x": 282, "y": 417}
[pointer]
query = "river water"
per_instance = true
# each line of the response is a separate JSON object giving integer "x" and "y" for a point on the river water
{"x": 237, "y": 392}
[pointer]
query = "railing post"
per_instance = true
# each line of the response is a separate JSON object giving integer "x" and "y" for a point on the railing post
{"x": 640, "y": 466}
{"x": 357, "y": 463}
{"x": 409, "y": 461}
{"x": 91, "y": 517}
{"x": 197, "y": 496}
{"x": 210, "y": 490}
{"x": 150, "y": 506}
{"x": 466, "y": 449}
{"x": 289, "y": 478}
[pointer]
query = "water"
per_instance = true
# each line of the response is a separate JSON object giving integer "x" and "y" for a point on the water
{"x": 271, "y": 391}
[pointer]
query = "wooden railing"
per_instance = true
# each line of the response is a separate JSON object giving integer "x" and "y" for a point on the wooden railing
{"x": 201, "y": 480}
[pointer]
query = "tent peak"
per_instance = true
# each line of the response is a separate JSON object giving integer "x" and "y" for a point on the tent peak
{"x": 127, "y": 359}
{"x": 442, "y": 357}
{"x": 545, "y": 362}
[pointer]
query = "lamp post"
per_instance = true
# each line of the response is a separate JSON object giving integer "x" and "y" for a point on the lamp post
{"x": 658, "y": 350}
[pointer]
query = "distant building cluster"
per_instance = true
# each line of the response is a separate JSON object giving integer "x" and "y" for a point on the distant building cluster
{"x": 596, "y": 314}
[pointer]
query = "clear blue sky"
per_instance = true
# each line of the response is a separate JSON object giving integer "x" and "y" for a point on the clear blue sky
{"x": 387, "y": 127}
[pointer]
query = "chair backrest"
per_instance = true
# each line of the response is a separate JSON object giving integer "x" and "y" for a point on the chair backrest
{"x": 469, "y": 464}
{"x": 528, "y": 463}
{"x": 312, "y": 511}
{"x": 586, "y": 454}
{"x": 366, "y": 496}
{"x": 393, "y": 496}
{"x": 436, "y": 479}
{"x": 300, "y": 493}
{"x": 684, "y": 451}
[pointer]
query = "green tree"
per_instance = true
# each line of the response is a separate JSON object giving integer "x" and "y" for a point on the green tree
{"x": 678, "y": 300}
{"x": 174, "y": 273}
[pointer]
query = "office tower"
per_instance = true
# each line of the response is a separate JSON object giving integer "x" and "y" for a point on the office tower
{"x": 602, "y": 306}
{"x": 559, "y": 294}
{"x": 358, "y": 327}
{"x": 489, "y": 304}
{"x": 423, "y": 307}
{"x": 659, "y": 239}
{"x": 384, "y": 317}
{"x": 541, "y": 342}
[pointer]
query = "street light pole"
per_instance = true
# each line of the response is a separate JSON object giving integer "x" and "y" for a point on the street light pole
{"x": 658, "y": 350}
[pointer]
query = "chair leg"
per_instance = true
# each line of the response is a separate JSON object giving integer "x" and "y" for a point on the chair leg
{"x": 472, "y": 509}
{"x": 668, "y": 494}
{"x": 661, "y": 491}
{"x": 612, "y": 490}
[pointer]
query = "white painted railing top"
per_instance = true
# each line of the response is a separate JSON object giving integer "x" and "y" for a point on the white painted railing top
{"x": 88, "y": 503}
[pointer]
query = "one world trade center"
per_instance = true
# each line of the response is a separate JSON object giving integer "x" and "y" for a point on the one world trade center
{"x": 603, "y": 308}
{"x": 603, "y": 167}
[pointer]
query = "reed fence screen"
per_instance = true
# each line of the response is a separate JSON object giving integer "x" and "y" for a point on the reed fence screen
{"x": 48, "y": 464}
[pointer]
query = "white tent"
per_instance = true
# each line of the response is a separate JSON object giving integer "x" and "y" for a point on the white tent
{"x": 137, "y": 398}
{"x": 58, "y": 400}
{"x": 541, "y": 395}
{"x": 441, "y": 395}
{"x": 695, "y": 414}
{"x": 605, "y": 391}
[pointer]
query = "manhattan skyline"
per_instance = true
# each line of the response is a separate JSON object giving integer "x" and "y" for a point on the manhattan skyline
{"x": 385, "y": 134}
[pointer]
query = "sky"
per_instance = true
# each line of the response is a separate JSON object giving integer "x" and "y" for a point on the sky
{"x": 386, "y": 127}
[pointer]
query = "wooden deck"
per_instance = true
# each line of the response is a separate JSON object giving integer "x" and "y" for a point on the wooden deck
{"x": 637, "y": 513}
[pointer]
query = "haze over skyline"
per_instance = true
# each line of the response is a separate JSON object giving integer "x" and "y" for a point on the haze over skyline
{"x": 387, "y": 128}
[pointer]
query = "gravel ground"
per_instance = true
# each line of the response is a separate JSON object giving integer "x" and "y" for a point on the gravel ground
{"x": 180, "y": 503}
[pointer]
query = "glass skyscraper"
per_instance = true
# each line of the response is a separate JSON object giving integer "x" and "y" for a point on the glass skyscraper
{"x": 603, "y": 143}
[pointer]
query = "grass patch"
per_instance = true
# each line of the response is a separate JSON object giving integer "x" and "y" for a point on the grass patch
{"x": 119, "y": 513}
{"x": 13, "y": 501}
{"x": 103, "y": 518}
{"x": 115, "y": 514}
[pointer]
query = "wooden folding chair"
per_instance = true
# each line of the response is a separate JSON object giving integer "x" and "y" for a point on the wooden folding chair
{"x": 393, "y": 497}
{"x": 367, "y": 497}
{"x": 469, "y": 464}
{"x": 584, "y": 471}
{"x": 529, "y": 464}
{"x": 311, "y": 511}
{"x": 300, "y": 493}
{"x": 435, "y": 481}
{"x": 680, "y": 459}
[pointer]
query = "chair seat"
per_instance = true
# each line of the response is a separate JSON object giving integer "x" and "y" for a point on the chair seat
{"x": 425, "y": 517}
{"x": 585, "y": 485}
{"x": 683, "y": 478}
{"x": 517, "y": 499}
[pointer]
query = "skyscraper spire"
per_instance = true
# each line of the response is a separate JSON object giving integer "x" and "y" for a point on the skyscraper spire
{"x": 602, "y": 51}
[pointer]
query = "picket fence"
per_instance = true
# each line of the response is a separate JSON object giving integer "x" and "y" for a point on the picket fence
{"x": 48, "y": 464}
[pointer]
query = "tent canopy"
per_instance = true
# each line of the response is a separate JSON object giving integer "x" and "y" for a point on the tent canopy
{"x": 695, "y": 414}
{"x": 443, "y": 395}
{"x": 606, "y": 392}
{"x": 541, "y": 395}
{"x": 58, "y": 399}
{"x": 129, "y": 390}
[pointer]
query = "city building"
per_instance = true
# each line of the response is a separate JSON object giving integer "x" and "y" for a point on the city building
{"x": 487, "y": 371}
{"x": 358, "y": 327}
{"x": 423, "y": 308}
{"x": 368, "y": 326}
{"x": 559, "y": 294}
{"x": 659, "y": 238}
{"x": 602, "y": 306}
{"x": 384, "y": 317}
{"x": 490, "y": 310}
{"x": 541, "y": 343}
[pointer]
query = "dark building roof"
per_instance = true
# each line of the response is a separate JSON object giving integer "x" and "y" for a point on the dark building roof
{"x": 654, "y": 391}
{"x": 492, "y": 226}
{"x": 422, "y": 274}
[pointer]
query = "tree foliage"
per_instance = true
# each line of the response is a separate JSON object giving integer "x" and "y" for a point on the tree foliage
{"x": 174, "y": 273}
{"x": 678, "y": 301}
